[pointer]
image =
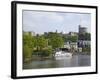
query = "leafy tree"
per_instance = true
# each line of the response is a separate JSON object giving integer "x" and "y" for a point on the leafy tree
{"x": 87, "y": 49}
{"x": 45, "y": 52}
{"x": 72, "y": 38}
{"x": 27, "y": 52}
{"x": 41, "y": 42}
{"x": 85, "y": 36}
{"x": 28, "y": 40}
{"x": 28, "y": 45}
{"x": 65, "y": 38}
{"x": 56, "y": 41}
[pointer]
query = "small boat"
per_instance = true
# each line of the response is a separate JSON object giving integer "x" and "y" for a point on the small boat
{"x": 63, "y": 54}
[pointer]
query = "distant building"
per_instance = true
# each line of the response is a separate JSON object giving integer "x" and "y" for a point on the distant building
{"x": 45, "y": 33}
{"x": 71, "y": 46}
{"x": 72, "y": 33}
{"x": 82, "y": 30}
{"x": 74, "y": 46}
{"x": 30, "y": 33}
{"x": 82, "y": 41}
{"x": 56, "y": 31}
{"x": 67, "y": 45}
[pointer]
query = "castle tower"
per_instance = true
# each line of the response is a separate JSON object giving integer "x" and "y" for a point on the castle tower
{"x": 82, "y": 30}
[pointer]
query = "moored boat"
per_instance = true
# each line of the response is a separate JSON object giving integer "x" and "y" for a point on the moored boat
{"x": 63, "y": 54}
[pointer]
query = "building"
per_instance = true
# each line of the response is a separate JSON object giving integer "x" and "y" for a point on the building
{"x": 72, "y": 34}
{"x": 84, "y": 43}
{"x": 30, "y": 33}
{"x": 82, "y": 30}
{"x": 67, "y": 45}
{"x": 71, "y": 46}
{"x": 83, "y": 39}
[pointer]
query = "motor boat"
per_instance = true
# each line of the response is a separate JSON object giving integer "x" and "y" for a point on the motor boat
{"x": 63, "y": 54}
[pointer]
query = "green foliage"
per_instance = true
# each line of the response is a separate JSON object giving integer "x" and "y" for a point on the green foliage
{"x": 28, "y": 45}
{"x": 45, "y": 44}
{"x": 56, "y": 41}
{"x": 46, "y": 52}
{"x": 86, "y": 36}
{"x": 86, "y": 49}
{"x": 42, "y": 42}
{"x": 72, "y": 38}
{"x": 27, "y": 51}
{"x": 43, "y": 52}
{"x": 28, "y": 40}
{"x": 65, "y": 38}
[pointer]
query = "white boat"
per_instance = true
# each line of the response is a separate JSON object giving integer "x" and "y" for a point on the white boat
{"x": 63, "y": 54}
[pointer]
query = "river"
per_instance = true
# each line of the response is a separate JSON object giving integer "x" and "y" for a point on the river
{"x": 75, "y": 61}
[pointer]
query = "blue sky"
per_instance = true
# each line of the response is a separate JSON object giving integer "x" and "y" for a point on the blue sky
{"x": 42, "y": 21}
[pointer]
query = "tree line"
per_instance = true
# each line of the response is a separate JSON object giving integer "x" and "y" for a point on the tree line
{"x": 45, "y": 45}
{"x": 41, "y": 45}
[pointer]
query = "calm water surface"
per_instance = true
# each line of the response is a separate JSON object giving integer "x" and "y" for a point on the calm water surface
{"x": 74, "y": 61}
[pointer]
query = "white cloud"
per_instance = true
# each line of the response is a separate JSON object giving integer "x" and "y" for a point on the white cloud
{"x": 48, "y": 20}
{"x": 41, "y": 21}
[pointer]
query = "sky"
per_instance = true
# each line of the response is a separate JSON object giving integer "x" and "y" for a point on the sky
{"x": 42, "y": 21}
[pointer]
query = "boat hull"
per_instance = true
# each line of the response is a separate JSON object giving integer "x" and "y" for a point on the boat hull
{"x": 62, "y": 55}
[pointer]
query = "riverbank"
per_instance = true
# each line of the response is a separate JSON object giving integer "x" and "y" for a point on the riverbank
{"x": 36, "y": 58}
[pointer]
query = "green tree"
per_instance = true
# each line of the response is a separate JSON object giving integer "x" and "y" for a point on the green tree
{"x": 46, "y": 52}
{"x": 28, "y": 45}
{"x": 72, "y": 38}
{"x": 41, "y": 42}
{"x": 85, "y": 36}
{"x": 56, "y": 41}
{"x": 27, "y": 52}
{"x": 28, "y": 40}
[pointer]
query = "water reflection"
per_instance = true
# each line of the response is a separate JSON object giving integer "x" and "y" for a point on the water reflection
{"x": 74, "y": 61}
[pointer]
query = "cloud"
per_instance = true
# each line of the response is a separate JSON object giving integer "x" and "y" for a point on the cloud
{"x": 47, "y": 20}
{"x": 42, "y": 21}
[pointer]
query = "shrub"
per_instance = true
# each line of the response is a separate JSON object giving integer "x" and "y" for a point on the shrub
{"x": 43, "y": 53}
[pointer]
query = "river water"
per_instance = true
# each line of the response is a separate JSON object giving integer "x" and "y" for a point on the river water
{"x": 74, "y": 61}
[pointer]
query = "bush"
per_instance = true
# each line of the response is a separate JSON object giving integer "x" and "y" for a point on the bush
{"x": 43, "y": 53}
{"x": 27, "y": 52}
{"x": 86, "y": 49}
